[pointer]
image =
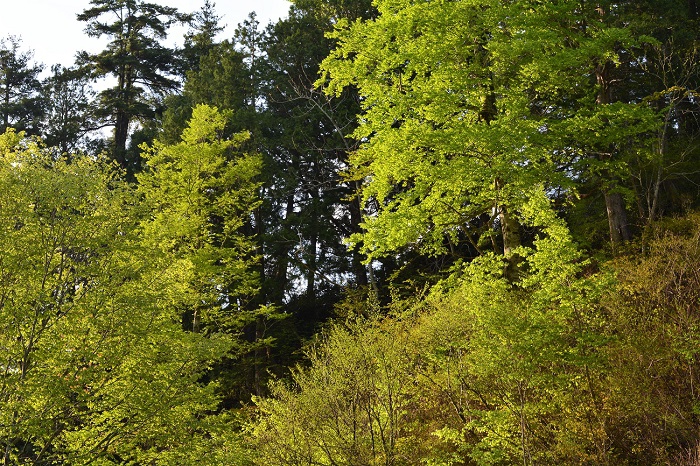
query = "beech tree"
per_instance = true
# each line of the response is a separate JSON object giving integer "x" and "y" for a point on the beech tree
{"x": 462, "y": 113}
{"x": 200, "y": 192}
{"x": 94, "y": 364}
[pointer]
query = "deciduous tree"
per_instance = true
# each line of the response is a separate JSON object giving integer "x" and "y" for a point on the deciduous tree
{"x": 201, "y": 192}
{"x": 94, "y": 364}
{"x": 462, "y": 113}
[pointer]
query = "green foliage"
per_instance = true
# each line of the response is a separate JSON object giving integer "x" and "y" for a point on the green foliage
{"x": 654, "y": 373}
{"x": 481, "y": 143}
{"x": 20, "y": 105}
{"x": 490, "y": 372}
{"x": 96, "y": 368}
{"x": 308, "y": 146}
{"x": 466, "y": 105}
{"x": 355, "y": 404}
{"x": 199, "y": 40}
{"x": 70, "y": 110}
{"x": 200, "y": 193}
{"x": 221, "y": 80}
{"x": 134, "y": 56}
{"x": 566, "y": 366}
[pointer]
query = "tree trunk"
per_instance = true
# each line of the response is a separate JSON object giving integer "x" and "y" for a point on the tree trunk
{"x": 617, "y": 218}
{"x": 6, "y": 110}
{"x": 259, "y": 356}
{"x": 122, "y": 117}
{"x": 510, "y": 231}
{"x": 311, "y": 265}
{"x": 121, "y": 133}
{"x": 614, "y": 203}
{"x": 282, "y": 256}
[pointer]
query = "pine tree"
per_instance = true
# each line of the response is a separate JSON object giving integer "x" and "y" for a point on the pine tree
{"x": 201, "y": 37}
{"x": 71, "y": 110}
{"x": 134, "y": 56}
{"x": 20, "y": 100}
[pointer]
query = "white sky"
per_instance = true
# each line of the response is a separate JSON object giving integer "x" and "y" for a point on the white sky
{"x": 51, "y": 29}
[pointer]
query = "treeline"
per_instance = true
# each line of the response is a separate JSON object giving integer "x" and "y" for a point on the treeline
{"x": 391, "y": 232}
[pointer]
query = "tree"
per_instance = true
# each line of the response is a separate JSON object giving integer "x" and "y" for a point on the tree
{"x": 20, "y": 101}
{"x": 654, "y": 329}
{"x": 200, "y": 39}
{"x": 478, "y": 372}
{"x": 221, "y": 79}
{"x": 354, "y": 404}
{"x": 665, "y": 76}
{"x": 95, "y": 365}
{"x": 134, "y": 56}
{"x": 224, "y": 80}
{"x": 71, "y": 110}
{"x": 308, "y": 145}
{"x": 201, "y": 192}
{"x": 462, "y": 113}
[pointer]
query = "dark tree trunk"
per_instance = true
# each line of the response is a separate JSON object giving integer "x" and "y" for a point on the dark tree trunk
{"x": 121, "y": 134}
{"x": 6, "y": 113}
{"x": 122, "y": 116}
{"x": 282, "y": 256}
{"x": 260, "y": 353}
{"x": 617, "y": 218}
{"x": 614, "y": 203}
{"x": 311, "y": 266}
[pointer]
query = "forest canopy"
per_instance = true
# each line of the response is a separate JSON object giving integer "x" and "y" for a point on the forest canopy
{"x": 396, "y": 232}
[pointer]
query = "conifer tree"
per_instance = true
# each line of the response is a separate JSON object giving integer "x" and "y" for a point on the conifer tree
{"x": 200, "y": 39}
{"x": 136, "y": 57}
{"x": 71, "y": 110}
{"x": 308, "y": 148}
{"x": 20, "y": 88}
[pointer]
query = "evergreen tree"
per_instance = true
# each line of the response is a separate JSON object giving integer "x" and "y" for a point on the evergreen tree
{"x": 134, "y": 56}
{"x": 71, "y": 110}
{"x": 20, "y": 89}
{"x": 200, "y": 39}
{"x": 222, "y": 79}
{"x": 308, "y": 144}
